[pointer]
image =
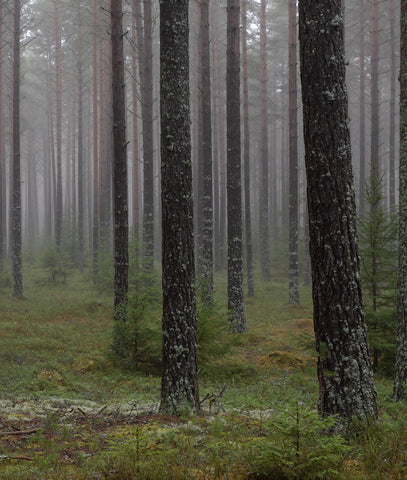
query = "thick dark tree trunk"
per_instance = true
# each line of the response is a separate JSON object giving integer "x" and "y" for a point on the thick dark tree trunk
{"x": 293, "y": 289}
{"x": 246, "y": 157}
{"x": 264, "y": 154}
{"x": 120, "y": 194}
{"x": 179, "y": 386}
{"x": 400, "y": 381}
{"x": 344, "y": 369}
{"x": 16, "y": 210}
{"x": 237, "y": 314}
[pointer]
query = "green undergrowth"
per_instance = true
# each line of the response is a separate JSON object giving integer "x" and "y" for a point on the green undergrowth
{"x": 92, "y": 416}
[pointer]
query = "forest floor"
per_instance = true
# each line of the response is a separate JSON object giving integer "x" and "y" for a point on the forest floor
{"x": 69, "y": 410}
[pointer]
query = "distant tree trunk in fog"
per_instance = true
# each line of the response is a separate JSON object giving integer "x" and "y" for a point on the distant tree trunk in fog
{"x": 136, "y": 179}
{"x": 120, "y": 194}
{"x": 80, "y": 148}
{"x": 16, "y": 246}
{"x": 179, "y": 381}
{"x": 344, "y": 368}
{"x": 293, "y": 294}
{"x": 2, "y": 162}
{"x": 264, "y": 154}
{"x": 392, "y": 142}
{"x": 58, "y": 92}
{"x": 237, "y": 314}
{"x": 95, "y": 229}
{"x": 400, "y": 380}
{"x": 374, "y": 97}
{"x": 207, "y": 190}
{"x": 32, "y": 194}
{"x": 220, "y": 141}
{"x": 362, "y": 115}
{"x": 148, "y": 142}
{"x": 246, "y": 156}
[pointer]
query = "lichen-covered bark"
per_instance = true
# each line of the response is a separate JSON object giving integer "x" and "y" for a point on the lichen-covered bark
{"x": 237, "y": 314}
{"x": 293, "y": 277}
{"x": 345, "y": 374}
{"x": 400, "y": 381}
{"x": 179, "y": 385}
{"x": 16, "y": 210}
{"x": 120, "y": 195}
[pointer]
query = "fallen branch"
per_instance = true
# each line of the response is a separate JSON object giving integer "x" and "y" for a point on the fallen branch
{"x": 19, "y": 432}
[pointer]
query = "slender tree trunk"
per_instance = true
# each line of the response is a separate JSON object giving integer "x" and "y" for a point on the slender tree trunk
{"x": 120, "y": 194}
{"x": 294, "y": 294}
{"x": 80, "y": 148}
{"x": 400, "y": 380}
{"x": 95, "y": 236}
{"x": 179, "y": 386}
{"x": 362, "y": 115}
{"x": 17, "y": 261}
{"x": 344, "y": 369}
{"x": 263, "y": 146}
{"x": 58, "y": 204}
{"x": 374, "y": 94}
{"x": 237, "y": 314}
{"x": 246, "y": 157}
{"x": 207, "y": 190}
{"x": 2, "y": 162}
{"x": 148, "y": 157}
{"x": 392, "y": 141}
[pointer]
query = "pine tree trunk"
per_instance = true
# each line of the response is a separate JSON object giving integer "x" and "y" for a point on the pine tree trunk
{"x": 392, "y": 133}
{"x": 148, "y": 160}
{"x": 293, "y": 289}
{"x": 400, "y": 380}
{"x": 362, "y": 125}
{"x": 179, "y": 386}
{"x": 263, "y": 142}
{"x": 81, "y": 245}
{"x": 237, "y": 314}
{"x": 95, "y": 151}
{"x": 246, "y": 157}
{"x": 16, "y": 211}
{"x": 344, "y": 369}
{"x": 120, "y": 195}
{"x": 207, "y": 204}
{"x": 58, "y": 92}
{"x": 2, "y": 150}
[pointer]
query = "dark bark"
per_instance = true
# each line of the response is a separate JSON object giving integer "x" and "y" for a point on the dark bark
{"x": 207, "y": 197}
{"x": 246, "y": 157}
{"x": 179, "y": 387}
{"x": 120, "y": 194}
{"x": 2, "y": 150}
{"x": 344, "y": 369}
{"x": 400, "y": 381}
{"x": 293, "y": 277}
{"x": 392, "y": 120}
{"x": 16, "y": 207}
{"x": 263, "y": 146}
{"x": 237, "y": 314}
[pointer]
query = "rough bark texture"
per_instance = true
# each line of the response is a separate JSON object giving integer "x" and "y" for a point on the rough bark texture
{"x": 264, "y": 224}
{"x": 207, "y": 190}
{"x": 179, "y": 387}
{"x": 344, "y": 369}
{"x": 237, "y": 314}
{"x": 16, "y": 207}
{"x": 246, "y": 156}
{"x": 400, "y": 381}
{"x": 120, "y": 202}
{"x": 2, "y": 150}
{"x": 95, "y": 226}
{"x": 392, "y": 120}
{"x": 293, "y": 278}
